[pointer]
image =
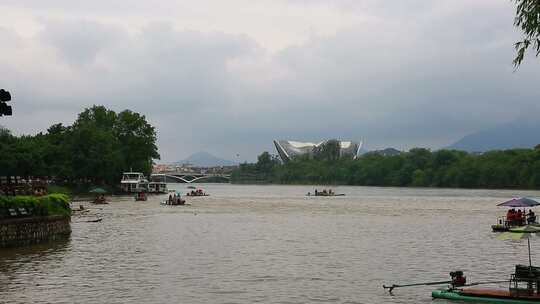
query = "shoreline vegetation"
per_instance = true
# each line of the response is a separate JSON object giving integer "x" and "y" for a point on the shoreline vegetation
{"x": 419, "y": 167}
{"x": 93, "y": 151}
{"x": 47, "y": 205}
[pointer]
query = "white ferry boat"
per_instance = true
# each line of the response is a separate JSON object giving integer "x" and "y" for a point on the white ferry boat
{"x": 133, "y": 182}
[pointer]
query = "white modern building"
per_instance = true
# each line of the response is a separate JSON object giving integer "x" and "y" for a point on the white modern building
{"x": 289, "y": 149}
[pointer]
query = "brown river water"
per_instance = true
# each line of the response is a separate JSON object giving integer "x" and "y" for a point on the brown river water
{"x": 269, "y": 244}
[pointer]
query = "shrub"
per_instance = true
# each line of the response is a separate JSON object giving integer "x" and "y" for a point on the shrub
{"x": 52, "y": 204}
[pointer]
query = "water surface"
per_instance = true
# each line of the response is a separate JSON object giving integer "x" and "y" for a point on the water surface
{"x": 268, "y": 244}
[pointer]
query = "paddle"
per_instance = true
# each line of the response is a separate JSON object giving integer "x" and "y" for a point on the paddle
{"x": 390, "y": 288}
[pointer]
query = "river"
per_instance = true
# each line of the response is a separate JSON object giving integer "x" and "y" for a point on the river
{"x": 269, "y": 244}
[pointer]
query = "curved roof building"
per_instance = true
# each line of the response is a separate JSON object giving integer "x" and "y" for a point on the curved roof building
{"x": 289, "y": 149}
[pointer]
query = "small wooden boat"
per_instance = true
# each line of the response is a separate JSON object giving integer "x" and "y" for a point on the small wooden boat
{"x": 95, "y": 221}
{"x": 524, "y": 287}
{"x": 141, "y": 197}
{"x": 325, "y": 194}
{"x": 99, "y": 201}
{"x": 484, "y": 295}
{"x": 503, "y": 228}
{"x": 197, "y": 194}
{"x": 177, "y": 202}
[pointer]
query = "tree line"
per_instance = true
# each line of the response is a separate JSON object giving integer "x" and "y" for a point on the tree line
{"x": 96, "y": 149}
{"x": 419, "y": 167}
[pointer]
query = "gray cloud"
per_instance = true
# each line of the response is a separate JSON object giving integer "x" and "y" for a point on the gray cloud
{"x": 418, "y": 75}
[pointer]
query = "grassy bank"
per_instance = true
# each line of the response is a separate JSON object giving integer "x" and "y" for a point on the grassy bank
{"x": 52, "y": 204}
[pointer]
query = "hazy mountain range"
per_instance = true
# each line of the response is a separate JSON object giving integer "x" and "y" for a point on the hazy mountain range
{"x": 521, "y": 133}
{"x": 205, "y": 159}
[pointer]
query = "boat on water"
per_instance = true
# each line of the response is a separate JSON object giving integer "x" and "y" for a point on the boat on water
{"x": 100, "y": 200}
{"x": 334, "y": 194}
{"x": 516, "y": 218}
{"x": 198, "y": 192}
{"x": 133, "y": 182}
{"x": 324, "y": 193}
{"x": 174, "y": 200}
{"x": 157, "y": 187}
{"x": 484, "y": 295}
{"x": 178, "y": 202}
{"x": 524, "y": 287}
{"x": 141, "y": 196}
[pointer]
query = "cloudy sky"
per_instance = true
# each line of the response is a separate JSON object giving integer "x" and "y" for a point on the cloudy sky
{"x": 227, "y": 77}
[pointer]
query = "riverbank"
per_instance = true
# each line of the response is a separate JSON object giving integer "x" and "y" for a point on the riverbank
{"x": 32, "y": 230}
{"x": 28, "y": 220}
{"x": 47, "y": 205}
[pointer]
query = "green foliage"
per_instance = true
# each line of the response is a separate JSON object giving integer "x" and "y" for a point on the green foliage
{"x": 328, "y": 151}
{"x": 60, "y": 190}
{"x": 96, "y": 149}
{"x": 518, "y": 168}
{"x": 52, "y": 204}
{"x": 260, "y": 172}
{"x": 528, "y": 20}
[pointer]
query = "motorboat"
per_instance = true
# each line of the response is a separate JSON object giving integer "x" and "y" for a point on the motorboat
{"x": 523, "y": 288}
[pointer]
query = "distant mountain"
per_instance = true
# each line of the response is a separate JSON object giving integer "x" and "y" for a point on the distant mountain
{"x": 520, "y": 133}
{"x": 205, "y": 159}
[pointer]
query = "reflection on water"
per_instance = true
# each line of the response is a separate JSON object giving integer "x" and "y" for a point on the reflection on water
{"x": 269, "y": 244}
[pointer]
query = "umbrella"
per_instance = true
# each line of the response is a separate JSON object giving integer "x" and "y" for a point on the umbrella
{"x": 520, "y": 202}
{"x": 98, "y": 190}
{"x": 521, "y": 233}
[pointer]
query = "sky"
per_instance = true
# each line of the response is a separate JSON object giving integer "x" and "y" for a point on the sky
{"x": 228, "y": 77}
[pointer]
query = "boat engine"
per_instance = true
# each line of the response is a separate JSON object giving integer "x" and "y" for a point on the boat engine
{"x": 458, "y": 279}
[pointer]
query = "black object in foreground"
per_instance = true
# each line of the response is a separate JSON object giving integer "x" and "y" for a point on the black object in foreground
{"x": 5, "y": 96}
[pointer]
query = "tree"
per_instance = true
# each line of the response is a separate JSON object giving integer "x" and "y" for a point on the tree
{"x": 265, "y": 162}
{"x": 98, "y": 147}
{"x": 528, "y": 20}
{"x": 328, "y": 151}
{"x": 137, "y": 139}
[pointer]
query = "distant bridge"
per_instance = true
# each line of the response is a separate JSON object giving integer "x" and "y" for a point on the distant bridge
{"x": 173, "y": 177}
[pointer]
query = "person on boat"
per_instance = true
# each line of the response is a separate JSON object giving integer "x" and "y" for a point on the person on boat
{"x": 316, "y": 192}
{"x": 531, "y": 217}
{"x": 512, "y": 217}
{"x": 519, "y": 217}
